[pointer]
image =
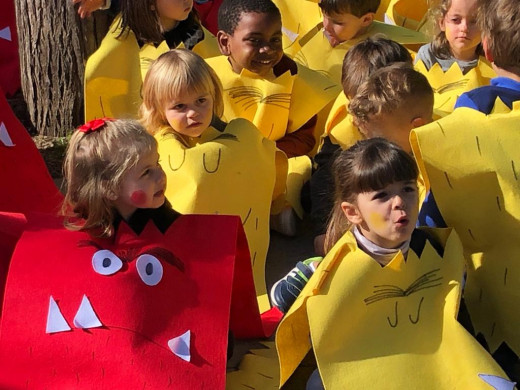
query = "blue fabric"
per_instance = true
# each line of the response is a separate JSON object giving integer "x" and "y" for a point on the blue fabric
{"x": 429, "y": 215}
{"x": 483, "y": 98}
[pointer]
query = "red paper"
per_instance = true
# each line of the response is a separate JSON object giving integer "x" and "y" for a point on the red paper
{"x": 9, "y": 61}
{"x": 208, "y": 13}
{"x": 25, "y": 181}
{"x": 130, "y": 350}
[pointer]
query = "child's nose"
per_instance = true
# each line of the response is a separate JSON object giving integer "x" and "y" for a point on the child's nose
{"x": 398, "y": 202}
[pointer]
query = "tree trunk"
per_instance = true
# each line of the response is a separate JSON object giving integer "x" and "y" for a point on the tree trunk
{"x": 51, "y": 63}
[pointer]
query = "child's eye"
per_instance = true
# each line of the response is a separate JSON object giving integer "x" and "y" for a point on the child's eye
{"x": 202, "y": 100}
{"x": 380, "y": 195}
{"x": 145, "y": 172}
{"x": 178, "y": 107}
{"x": 409, "y": 189}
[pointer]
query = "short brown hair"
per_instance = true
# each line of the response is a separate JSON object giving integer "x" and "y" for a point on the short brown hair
{"x": 387, "y": 89}
{"x": 355, "y": 7}
{"x": 499, "y": 21}
{"x": 366, "y": 57}
{"x": 172, "y": 75}
{"x": 94, "y": 167}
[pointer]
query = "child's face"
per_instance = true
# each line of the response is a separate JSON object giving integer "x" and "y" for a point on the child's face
{"x": 386, "y": 217}
{"x": 343, "y": 27}
{"x": 190, "y": 114}
{"x": 172, "y": 11}
{"x": 396, "y": 126}
{"x": 142, "y": 186}
{"x": 460, "y": 27}
{"x": 255, "y": 45}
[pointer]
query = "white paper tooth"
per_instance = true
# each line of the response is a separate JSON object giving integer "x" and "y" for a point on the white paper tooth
{"x": 5, "y": 33}
{"x": 86, "y": 317}
{"x": 55, "y": 320}
{"x": 180, "y": 345}
{"x": 4, "y": 135}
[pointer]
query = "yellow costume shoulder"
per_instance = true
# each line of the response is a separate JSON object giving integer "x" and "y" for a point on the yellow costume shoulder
{"x": 398, "y": 320}
{"x": 314, "y": 50}
{"x": 114, "y": 72}
{"x": 471, "y": 163}
{"x": 448, "y": 86}
{"x": 277, "y": 106}
{"x": 339, "y": 126}
{"x": 230, "y": 172}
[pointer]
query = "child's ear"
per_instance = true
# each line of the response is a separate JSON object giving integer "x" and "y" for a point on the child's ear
{"x": 111, "y": 195}
{"x": 223, "y": 42}
{"x": 418, "y": 122}
{"x": 487, "y": 52}
{"x": 351, "y": 212}
{"x": 367, "y": 19}
{"x": 442, "y": 25}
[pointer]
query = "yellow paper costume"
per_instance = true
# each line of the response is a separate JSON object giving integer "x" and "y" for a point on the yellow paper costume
{"x": 314, "y": 50}
{"x": 115, "y": 72}
{"x": 407, "y": 13}
{"x": 472, "y": 163}
{"x": 276, "y": 107}
{"x": 230, "y": 172}
{"x": 339, "y": 126}
{"x": 448, "y": 86}
{"x": 391, "y": 327}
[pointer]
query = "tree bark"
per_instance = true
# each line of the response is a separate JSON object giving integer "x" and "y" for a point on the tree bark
{"x": 51, "y": 63}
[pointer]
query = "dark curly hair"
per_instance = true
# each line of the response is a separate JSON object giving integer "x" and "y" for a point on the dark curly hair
{"x": 230, "y": 12}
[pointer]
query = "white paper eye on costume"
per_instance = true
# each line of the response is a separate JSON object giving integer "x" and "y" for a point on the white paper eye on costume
{"x": 149, "y": 269}
{"x": 106, "y": 262}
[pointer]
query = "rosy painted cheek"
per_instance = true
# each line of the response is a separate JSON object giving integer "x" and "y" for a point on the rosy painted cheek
{"x": 138, "y": 197}
{"x": 376, "y": 221}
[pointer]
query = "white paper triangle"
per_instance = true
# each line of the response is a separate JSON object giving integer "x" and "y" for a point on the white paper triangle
{"x": 290, "y": 34}
{"x": 388, "y": 20}
{"x": 55, "y": 320}
{"x": 4, "y": 135}
{"x": 5, "y": 33}
{"x": 180, "y": 346}
{"x": 85, "y": 317}
{"x": 497, "y": 382}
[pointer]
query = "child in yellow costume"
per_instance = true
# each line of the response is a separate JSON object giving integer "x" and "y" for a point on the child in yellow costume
{"x": 380, "y": 310}
{"x": 212, "y": 167}
{"x": 143, "y": 31}
{"x": 387, "y": 103}
{"x": 262, "y": 85}
{"x": 345, "y": 22}
{"x": 453, "y": 62}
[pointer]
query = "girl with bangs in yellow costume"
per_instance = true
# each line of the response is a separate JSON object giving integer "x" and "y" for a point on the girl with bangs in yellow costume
{"x": 453, "y": 62}
{"x": 212, "y": 167}
{"x": 140, "y": 33}
{"x": 385, "y": 298}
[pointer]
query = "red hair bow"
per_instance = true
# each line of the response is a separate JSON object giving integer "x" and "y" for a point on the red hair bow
{"x": 94, "y": 124}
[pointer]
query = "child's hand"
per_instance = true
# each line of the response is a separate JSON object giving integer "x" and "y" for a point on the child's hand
{"x": 86, "y": 7}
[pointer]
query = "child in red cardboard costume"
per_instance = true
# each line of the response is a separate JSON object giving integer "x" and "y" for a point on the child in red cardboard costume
{"x": 132, "y": 294}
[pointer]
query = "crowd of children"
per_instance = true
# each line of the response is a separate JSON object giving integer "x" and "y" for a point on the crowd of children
{"x": 247, "y": 123}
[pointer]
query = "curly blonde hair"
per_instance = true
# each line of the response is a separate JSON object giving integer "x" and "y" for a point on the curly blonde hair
{"x": 172, "y": 75}
{"x": 94, "y": 167}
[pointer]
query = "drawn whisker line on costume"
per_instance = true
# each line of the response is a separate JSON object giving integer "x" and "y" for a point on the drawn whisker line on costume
{"x": 424, "y": 279}
{"x": 451, "y": 86}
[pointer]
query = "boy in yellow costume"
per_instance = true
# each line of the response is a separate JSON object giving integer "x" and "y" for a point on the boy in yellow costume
{"x": 143, "y": 31}
{"x": 380, "y": 310}
{"x": 262, "y": 85}
{"x": 345, "y": 22}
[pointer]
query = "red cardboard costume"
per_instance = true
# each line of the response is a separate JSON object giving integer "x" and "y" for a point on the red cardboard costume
{"x": 146, "y": 310}
{"x": 9, "y": 62}
{"x": 26, "y": 183}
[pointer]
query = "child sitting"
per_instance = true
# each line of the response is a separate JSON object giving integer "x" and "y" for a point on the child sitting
{"x": 216, "y": 167}
{"x": 382, "y": 286}
{"x": 345, "y": 23}
{"x": 262, "y": 85}
{"x": 95, "y": 204}
{"x": 142, "y": 31}
{"x": 458, "y": 39}
{"x": 360, "y": 61}
{"x": 499, "y": 22}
